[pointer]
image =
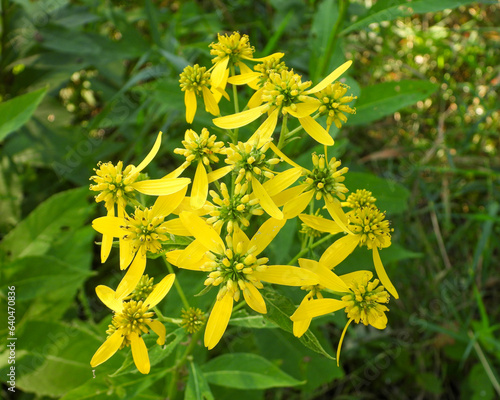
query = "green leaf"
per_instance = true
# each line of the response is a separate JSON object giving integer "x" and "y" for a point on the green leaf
{"x": 279, "y": 310}
{"x": 430, "y": 383}
{"x": 391, "y": 196}
{"x": 386, "y": 98}
{"x": 246, "y": 371}
{"x": 197, "y": 386}
{"x": 388, "y": 10}
{"x": 15, "y": 112}
{"x": 245, "y": 320}
{"x": 35, "y": 234}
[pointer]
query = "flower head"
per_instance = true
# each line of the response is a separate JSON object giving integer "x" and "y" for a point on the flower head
{"x": 360, "y": 198}
{"x": 142, "y": 290}
{"x": 325, "y": 179}
{"x": 333, "y": 104}
{"x": 193, "y": 319}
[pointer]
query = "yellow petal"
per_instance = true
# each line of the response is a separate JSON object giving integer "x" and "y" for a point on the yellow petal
{"x": 240, "y": 237}
{"x": 151, "y": 154}
{"x": 126, "y": 253}
{"x": 219, "y": 173}
{"x": 191, "y": 105}
{"x": 218, "y": 320}
{"x": 203, "y": 232}
{"x": 173, "y": 256}
{"x": 287, "y": 275}
{"x": 256, "y": 99}
{"x": 338, "y": 215}
{"x": 161, "y": 187}
{"x": 315, "y": 308}
{"x": 107, "y": 349}
{"x": 281, "y": 181}
{"x": 274, "y": 55}
{"x": 382, "y": 275}
{"x": 210, "y": 102}
{"x": 132, "y": 277}
{"x": 243, "y": 79}
{"x": 139, "y": 353}
{"x": 265, "y": 201}
{"x": 303, "y": 109}
{"x": 327, "y": 278}
{"x": 353, "y": 277}
{"x": 316, "y": 131}
{"x": 110, "y": 226}
{"x": 296, "y": 205}
{"x": 265, "y": 234}
{"x": 159, "y": 329}
{"x": 380, "y": 322}
{"x": 330, "y": 78}
{"x": 254, "y": 299}
{"x": 301, "y": 327}
{"x": 165, "y": 205}
{"x": 320, "y": 224}
{"x": 339, "y": 250}
{"x": 240, "y": 119}
{"x": 266, "y": 130}
{"x": 342, "y": 340}
{"x": 108, "y": 297}
{"x": 160, "y": 291}
{"x": 176, "y": 227}
{"x": 283, "y": 197}
{"x": 191, "y": 255}
{"x": 199, "y": 190}
{"x": 282, "y": 155}
{"x": 176, "y": 172}
{"x": 185, "y": 205}
{"x": 107, "y": 240}
{"x": 219, "y": 71}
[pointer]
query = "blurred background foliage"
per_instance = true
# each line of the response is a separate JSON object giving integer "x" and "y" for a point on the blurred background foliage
{"x": 88, "y": 81}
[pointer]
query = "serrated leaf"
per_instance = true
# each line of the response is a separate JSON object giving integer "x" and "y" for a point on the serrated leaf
{"x": 197, "y": 387}
{"x": 246, "y": 371}
{"x": 15, "y": 112}
{"x": 279, "y": 309}
{"x": 386, "y": 98}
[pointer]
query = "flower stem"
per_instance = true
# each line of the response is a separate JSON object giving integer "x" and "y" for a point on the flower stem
{"x": 310, "y": 247}
{"x": 236, "y": 105}
{"x": 178, "y": 286}
{"x": 283, "y": 133}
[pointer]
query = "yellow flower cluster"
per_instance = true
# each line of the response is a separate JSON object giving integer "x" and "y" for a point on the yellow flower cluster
{"x": 255, "y": 189}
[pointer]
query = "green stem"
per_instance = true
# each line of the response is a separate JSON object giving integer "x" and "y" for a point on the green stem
{"x": 3, "y": 40}
{"x": 236, "y": 104}
{"x": 312, "y": 246}
{"x": 283, "y": 133}
{"x": 486, "y": 365}
{"x": 178, "y": 286}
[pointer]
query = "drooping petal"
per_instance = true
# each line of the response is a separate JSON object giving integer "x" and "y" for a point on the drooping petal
{"x": 382, "y": 275}
{"x": 203, "y": 232}
{"x": 315, "y": 308}
{"x": 218, "y": 320}
{"x": 219, "y": 173}
{"x": 282, "y": 155}
{"x": 274, "y": 55}
{"x": 165, "y": 205}
{"x": 342, "y": 340}
{"x": 160, "y": 291}
{"x": 240, "y": 237}
{"x": 107, "y": 240}
{"x": 217, "y": 77}
{"x": 316, "y": 131}
{"x": 139, "y": 353}
{"x": 185, "y": 205}
{"x": 320, "y": 224}
{"x": 301, "y": 327}
{"x": 199, "y": 190}
{"x": 287, "y": 275}
{"x": 327, "y": 278}
{"x": 107, "y": 349}
{"x": 210, "y": 102}
{"x": 132, "y": 277}
{"x": 126, "y": 253}
{"x": 240, "y": 119}
{"x": 176, "y": 227}
{"x": 161, "y": 187}
{"x": 159, "y": 329}
{"x": 380, "y": 322}
{"x": 265, "y": 234}
{"x": 283, "y": 197}
{"x": 265, "y": 201}
{"x": 281, "y": 181}
{"x": 191, "y": 105}
{"x": 243, "y": 79}
{"x": 352, "y": 277}
{"x": 176, "y": 172}
{"x": 254, "y": 299}
{"x": 330, "y": 78}
{"x": 339, "y": 250}
{"x": 151, "y": 154}
{"x": 191, "y": 255}
{"x": 338, "y": 215}
{"x": 296, "y": 205}
{"x": 256, "y": 99}
{"x": 266, "y": 130}
{"x": 108, "y": 297}
{"x": 303, "y": 109}
{"x": 110, "y": 226}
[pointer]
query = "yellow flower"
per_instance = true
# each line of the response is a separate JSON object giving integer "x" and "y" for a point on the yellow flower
{"x": 368, "y": 227}
{"x": 362, "y": 302}
{"x": 285, "y": 93}
{"x": 139, "y": 233}
{"x": 195, "y": 81}
{"x": 233, "y": 266}
{"x": 131, "y": 320}
{"x": 360, "y": 198}
{"x": 117, "y": 186}
{"x": 333, "y": 104}
{"x": 202, "y": 150}
{"x": 229, "y": 51}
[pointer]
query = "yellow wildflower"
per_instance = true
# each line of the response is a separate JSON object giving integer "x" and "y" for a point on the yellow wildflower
{"x": 233, "y": 266}
{"x": 333, "y": 104}
{"x": 131, "y": 320}
{"x": 360, "y": 198}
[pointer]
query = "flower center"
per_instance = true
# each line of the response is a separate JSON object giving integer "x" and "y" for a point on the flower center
{"x": 370, "y": 223}
{"x": 235, "y": 46}
{"x": 269, "y": 66}
{"x": 200, "y": 147}
{"x": 325, "y": 180}
{"x": 333, "y": 101}
{"x": 194, "y": 78}
{"x": 143, "y": 289}
{"x": 363, "y": 303}
{"x": 145, "y": 231}
{"x": 360, "y": 198}
{"x": 284, "y": 89}
{"x": 192, "y": 319}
